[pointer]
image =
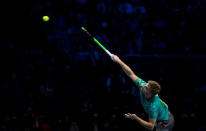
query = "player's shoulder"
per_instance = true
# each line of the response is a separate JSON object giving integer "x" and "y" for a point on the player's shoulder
{"x": 156, "y": 101}
{"x": 140, "y": 81}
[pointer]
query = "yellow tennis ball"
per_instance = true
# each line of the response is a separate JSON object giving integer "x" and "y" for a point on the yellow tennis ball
{"x": 45, "y": 18}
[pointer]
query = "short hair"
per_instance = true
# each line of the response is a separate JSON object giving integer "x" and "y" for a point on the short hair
{"x": 154, "y": 86}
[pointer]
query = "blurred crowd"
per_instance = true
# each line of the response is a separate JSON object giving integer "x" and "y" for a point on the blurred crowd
{"x": 141, "y": 27}
{"x": 53, "y": 77}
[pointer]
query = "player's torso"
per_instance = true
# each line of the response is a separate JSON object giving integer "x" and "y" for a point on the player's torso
{"x": 148, "y": 105}
{"x": 155, "y": 104}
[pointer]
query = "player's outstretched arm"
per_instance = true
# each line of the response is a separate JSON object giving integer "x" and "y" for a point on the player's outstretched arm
{"x": 149, "y": 125}
{"x": 125, "y": 67}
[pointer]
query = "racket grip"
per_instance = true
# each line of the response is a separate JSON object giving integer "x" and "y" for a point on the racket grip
{"x": 110, "y": 54}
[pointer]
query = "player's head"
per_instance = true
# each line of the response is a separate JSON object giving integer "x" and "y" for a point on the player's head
{"x": 152, "y": 88}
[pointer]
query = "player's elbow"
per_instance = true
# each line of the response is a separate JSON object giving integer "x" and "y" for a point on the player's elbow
{"x": 151, "y": 127}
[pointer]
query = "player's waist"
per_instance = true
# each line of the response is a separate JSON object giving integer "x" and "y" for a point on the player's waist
{"x": 162, "y": 120}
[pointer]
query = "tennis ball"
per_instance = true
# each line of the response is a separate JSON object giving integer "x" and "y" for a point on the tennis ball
{"x": 45, "y": 18}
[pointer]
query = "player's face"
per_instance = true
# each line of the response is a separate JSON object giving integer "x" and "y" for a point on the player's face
{"x": 146, "y": 91}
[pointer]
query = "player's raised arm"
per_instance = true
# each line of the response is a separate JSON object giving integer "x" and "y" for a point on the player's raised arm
{"x": 125, "y": 67}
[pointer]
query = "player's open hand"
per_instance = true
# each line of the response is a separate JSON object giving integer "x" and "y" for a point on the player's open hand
{"x": 115, "y": 58}
{"x": 130, "y": 116}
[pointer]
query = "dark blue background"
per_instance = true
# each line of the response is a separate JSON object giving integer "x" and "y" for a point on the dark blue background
{"x": 54, "y": 75}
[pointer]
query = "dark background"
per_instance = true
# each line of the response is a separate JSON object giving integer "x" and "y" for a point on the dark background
{"x": 53, "y": 77}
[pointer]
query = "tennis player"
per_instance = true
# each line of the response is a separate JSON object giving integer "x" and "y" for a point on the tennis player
{"x": 160, "y": 118}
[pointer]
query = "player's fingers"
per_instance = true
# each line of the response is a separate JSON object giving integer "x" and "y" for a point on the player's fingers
{"x": 126, "y": 115}
{"x": 129, "y": 113}
{"x": 112, "y": 56}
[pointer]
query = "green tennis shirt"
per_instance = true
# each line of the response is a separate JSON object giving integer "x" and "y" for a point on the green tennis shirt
{"x": 155, "y": 107}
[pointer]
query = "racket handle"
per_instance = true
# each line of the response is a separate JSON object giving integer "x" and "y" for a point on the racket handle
{"x": 110, "y": 54}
